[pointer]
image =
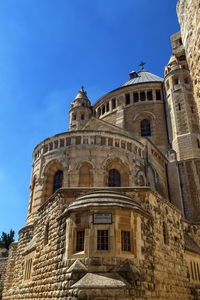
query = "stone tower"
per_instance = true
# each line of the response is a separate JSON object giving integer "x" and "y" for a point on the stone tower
{"x": 189, "y": 18}
{"x": 183, "y": 124}
{"x": 184, "y": 131}
{"x": 80, "y": 111}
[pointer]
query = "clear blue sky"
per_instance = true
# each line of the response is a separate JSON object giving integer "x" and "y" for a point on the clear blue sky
{"x": 48, "y": 49}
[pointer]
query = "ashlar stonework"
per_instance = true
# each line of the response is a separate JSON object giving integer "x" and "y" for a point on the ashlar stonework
{"x": 114, "y": 208}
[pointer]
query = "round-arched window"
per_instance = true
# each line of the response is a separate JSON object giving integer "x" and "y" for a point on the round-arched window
{"x": 145, "y": 128}
{"x": 114, "y": 178}
{"x": 57, "y": 180}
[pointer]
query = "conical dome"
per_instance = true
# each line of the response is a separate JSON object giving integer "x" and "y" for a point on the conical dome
{"x": 172, "y": 60}
{"x": 82, "y": 94}
{"x": 142, "y": 76}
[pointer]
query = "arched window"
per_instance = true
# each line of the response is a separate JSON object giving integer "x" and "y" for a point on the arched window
{"x": 145, "y": 128}
{"x": 114, "y": 178}
{"x": 57, "y": 180}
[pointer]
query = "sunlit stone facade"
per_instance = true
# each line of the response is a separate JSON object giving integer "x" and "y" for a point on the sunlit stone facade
{"x": 114, "y": 209}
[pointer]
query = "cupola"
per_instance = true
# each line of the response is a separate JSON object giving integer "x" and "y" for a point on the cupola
{"x": 80, "y": 110}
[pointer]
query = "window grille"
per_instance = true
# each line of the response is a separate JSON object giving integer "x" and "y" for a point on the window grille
{"x": 145, "y": 128}
{"x": 114, "y": 178}
{"x": 102, "y": 239}
{"x": 125, "y": 241}
{"x": 28, "y": 269}
{"x": 57, "y": 180}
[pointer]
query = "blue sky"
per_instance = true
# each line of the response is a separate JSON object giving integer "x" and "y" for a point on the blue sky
{"x": 48, "y": 49}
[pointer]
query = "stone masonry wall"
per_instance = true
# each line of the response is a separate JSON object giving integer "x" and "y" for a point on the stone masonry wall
{"x": 161, "y": 266}
{"x": 3, "y": 263}
{"x": 189, "y": 171}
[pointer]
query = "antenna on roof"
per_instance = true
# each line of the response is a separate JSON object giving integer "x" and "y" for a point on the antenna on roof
{"x": 142, "y": 65}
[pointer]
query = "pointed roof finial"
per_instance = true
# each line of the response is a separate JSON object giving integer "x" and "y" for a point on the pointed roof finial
{"x": 142, "y": 65}
{"x": 82, "y": 89}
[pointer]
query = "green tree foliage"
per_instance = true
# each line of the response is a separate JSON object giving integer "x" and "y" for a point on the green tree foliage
{"x": 6, "y": 239}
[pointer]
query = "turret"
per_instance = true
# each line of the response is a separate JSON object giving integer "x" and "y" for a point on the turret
{"x": 80, "y": 110}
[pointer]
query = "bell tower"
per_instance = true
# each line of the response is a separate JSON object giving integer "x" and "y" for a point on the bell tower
{"x": 184, "y": 133}
{"x": 80, "y": 110}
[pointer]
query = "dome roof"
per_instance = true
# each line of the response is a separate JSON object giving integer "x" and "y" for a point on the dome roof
{"x": 173, "y": 60}
{"x": 142, "y": 76}
{"x": 82, "y": 94}
{"x": 104, "y": 199}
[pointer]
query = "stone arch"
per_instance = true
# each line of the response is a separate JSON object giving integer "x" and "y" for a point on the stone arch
{"x": 152, "y": 177}
{"x": 144, "y": 114}
{"x": 140, "y": 178}
{"x": 49, "y": 173}
{"x": 154, "y": 180}
{"x": 140, "y": 117}
{"x": 80, "y": 163}
{"x": 85, "y": 174}
{"x": 122, "y": 168}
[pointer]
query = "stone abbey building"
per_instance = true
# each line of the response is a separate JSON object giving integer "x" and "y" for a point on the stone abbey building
{"x": 114, "y": 209}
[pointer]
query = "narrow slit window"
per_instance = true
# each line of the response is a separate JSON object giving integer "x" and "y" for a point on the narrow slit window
{"x": 107, "y": 107}
{"x": 142, "y": 96}
{"x": 165, "y": 234}
{"x": 57, "y": 180}
{"x": 113, "y": 103}
{"x": 192, "y": 271}
{"x": 149, "y": 96}
{"x": 135, "y": 97}
{"x": 127, "y": 99}
{"x": 126, "y": 241}
{"x": 46, "y": 234}
{"x": 158, "y": 95}
{"x": 80, "y": 241}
